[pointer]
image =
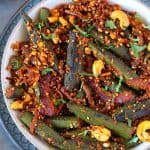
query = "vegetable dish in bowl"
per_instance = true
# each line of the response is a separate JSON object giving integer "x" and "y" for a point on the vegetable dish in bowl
{"x": 82, "y": 80}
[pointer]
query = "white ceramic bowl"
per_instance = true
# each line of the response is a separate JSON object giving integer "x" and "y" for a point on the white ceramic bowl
{"x": 19, "y": 34}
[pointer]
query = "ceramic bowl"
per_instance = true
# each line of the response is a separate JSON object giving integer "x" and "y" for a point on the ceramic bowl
{"x": 19, "y": 34}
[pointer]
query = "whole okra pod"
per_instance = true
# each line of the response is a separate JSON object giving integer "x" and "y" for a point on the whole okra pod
{"x": 68, "y": 122}
{"x": 49, "y": 134}
{"x": 96, "y": 118}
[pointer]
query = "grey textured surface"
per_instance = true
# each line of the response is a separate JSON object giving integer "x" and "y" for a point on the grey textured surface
{"x": 7, "y": 9}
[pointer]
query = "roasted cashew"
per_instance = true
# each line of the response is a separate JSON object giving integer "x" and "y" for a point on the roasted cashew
{"x": 97, "y": 67}
{"x": 122, "y": 17}
{"x": 102, "y": 134}
{"x": 141, "y": 132}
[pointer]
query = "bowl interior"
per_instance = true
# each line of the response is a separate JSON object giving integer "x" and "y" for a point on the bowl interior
{"x": 19, "y": 34}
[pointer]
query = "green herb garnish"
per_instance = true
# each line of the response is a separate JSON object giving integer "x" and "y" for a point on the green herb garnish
{"x": 84, "y": 133}
{"x": 133, "y": 140}
{"x": 110, "y": 24}
{"x": 39, "y": 25}
{"x": 146, "y": 27}
{"x": 106, "y": 88}
{"x": 118, "y": 86}
{"x": 81, "y": 93}
{"x": 46, "y": 71}
{"x": 136, "y": 49}
{"x": 108, "y": 46}
{"x": 129, "y": 122}
{"x": 82, "y": 32}
{"x": 49, "y": 37}
{"x": 85, "y": 74}
{"x": 90, "y": 28}
{"x": 134, "y": 39}
{"x": 59, "y": 102}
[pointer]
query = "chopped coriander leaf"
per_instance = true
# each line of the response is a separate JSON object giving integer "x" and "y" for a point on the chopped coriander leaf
{"x": 85, "y": 74}
{"x": 81, "y": 31}
{"x": 59, "y": 102}
{"x": 133, "y": 140}
{"x": 106, "y": 88}
{"x": 81, "y": 93}
{"x": 129, "y": 122}
{"x": 138, "y": 17}
{"x": 146, "y": 27}
{"x": 39, "y": 25}
{"x": 84, "y": 133}
{"x": 46, "y": 71}
{"x": 90, "y": 28}
{"x": 49, "y": 37}
{"x": 119, "y": 84}
{"x": 136, "y": 49}
{"x": 134, "y": 39}
{"x": 110, "y": 24}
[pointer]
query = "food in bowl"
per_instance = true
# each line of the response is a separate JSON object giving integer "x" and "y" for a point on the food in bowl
{"x": 81, "y": 81}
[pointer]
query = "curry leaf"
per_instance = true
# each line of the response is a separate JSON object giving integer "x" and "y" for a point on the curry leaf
{"x": 39, "y": 25}
{"x": 119, "y": 84}
{"x": 136, "y": 49}
{"x": 80, "y": 30}
{"x": 90, "y": 28}
{"x": 110, "y": 24}
{"x": 59, "y": 102}
{"x": 46, "y": 71}
{"x": 108, "y": 46}
{"x": 49, "y": 37}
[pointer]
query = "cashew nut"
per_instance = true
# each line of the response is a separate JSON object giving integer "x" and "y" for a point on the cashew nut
{"x": 123, "y": 18}
{"x": 19, "y": 104}
{"x": 148, "y": 47}
{"x": 97, "y": 67}
{"x": 100, "y": 133}
{"x": 52, "y": 19}
{"x": 141, "y": 132}
{"x": 63, "y": 21}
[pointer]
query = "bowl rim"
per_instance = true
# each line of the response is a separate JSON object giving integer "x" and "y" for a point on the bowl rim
{"x": 37, "y": 6}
